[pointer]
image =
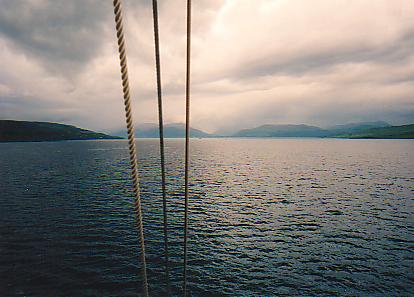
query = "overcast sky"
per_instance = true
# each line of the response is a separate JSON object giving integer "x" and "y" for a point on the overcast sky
{"x": 317, "y": 62}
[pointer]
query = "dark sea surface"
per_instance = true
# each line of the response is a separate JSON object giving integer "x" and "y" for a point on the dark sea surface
{"x": 268, "y": 217}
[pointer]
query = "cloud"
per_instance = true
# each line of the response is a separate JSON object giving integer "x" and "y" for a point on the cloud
{"x": 61, "y": 35}
{"x": 254, "y": 62}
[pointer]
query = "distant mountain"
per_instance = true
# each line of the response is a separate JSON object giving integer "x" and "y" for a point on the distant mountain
{"x": 176, "y": 130}
{"x": 283, "y": 131}
{"x": 11, "y": 131}
{"x": 392, "y": 132}
{"x": 43, "y": 131}
{"x": 353, "y": 128}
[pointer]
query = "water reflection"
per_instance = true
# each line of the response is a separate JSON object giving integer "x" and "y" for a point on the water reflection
{"x": 268, "y": 217}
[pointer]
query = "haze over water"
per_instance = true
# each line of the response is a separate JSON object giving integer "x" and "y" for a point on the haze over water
{"x": 268, "y": 217}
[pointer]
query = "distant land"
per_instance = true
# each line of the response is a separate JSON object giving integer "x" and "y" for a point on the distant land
{"x": 400, "y": 132}
{"x": 282, "y": 131}
{"x": 174, "y": 130}
{"x": 373, "y": 130}
{"x": 378, "y": 129}
{"x": 12, "y": 131}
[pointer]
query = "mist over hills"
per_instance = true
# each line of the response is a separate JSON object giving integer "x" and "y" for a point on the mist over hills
{"x": 282, "y": 131}
{"x": 43, "y": 131}
{"x": 391, "y": 132}
{"x": 173, "y": 130}
{"x": 350, "y": 130}
{"x": 310, "y": 131}
{"x": 357, "y": 127}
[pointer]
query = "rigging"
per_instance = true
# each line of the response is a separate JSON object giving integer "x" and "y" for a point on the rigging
{"x": 131, "y": 140}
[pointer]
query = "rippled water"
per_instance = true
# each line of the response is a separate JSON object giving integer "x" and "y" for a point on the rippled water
{"x": 269, "y": 217}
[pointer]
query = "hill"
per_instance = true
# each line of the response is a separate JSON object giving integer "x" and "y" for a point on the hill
{"x": 283, "y": 131}
{"x": 353, "y": 128}
{"x": 377, "y": 129}
{"x": 393, "y": 132}
{"x": 11, "y": 131}
{"x": 176, "y": 130}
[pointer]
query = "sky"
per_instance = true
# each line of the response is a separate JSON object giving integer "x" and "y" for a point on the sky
{"x": 254, "y": 62}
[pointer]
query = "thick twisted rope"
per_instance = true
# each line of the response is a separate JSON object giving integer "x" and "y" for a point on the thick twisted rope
{"x": 187, "y": 141}
{"x": 161, "y": 132}
{"x": 131, "y": 136}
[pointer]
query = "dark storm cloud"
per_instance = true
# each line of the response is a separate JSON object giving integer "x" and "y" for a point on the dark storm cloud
{"x": 63, "y": 35}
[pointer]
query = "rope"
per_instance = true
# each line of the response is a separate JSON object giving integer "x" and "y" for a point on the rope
{"x": 131, "y": 140}
{"x": 187, "y": 141}
{"x": 161, "y": 132}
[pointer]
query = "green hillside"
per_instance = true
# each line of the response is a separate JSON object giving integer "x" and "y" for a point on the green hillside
{"x": 11, "y": 131}
{"x": 353, "y": 130}
{"x": 393, "y": 132}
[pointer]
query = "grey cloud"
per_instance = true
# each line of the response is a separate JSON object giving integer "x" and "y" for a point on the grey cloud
{"x": 255, "y": 62}
{"x": 395, "y": 53}
{"x": 35, "y": 109}
{"x": 62, "y": 35}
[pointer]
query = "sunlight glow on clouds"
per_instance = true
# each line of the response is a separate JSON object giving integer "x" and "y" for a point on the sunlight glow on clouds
{"x": 254, "y": 62}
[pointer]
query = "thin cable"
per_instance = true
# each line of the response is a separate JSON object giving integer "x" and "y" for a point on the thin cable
{"x": 161, "y": 132}
{"x": 131, "y": 140}
{"x": 187, "y": 141}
